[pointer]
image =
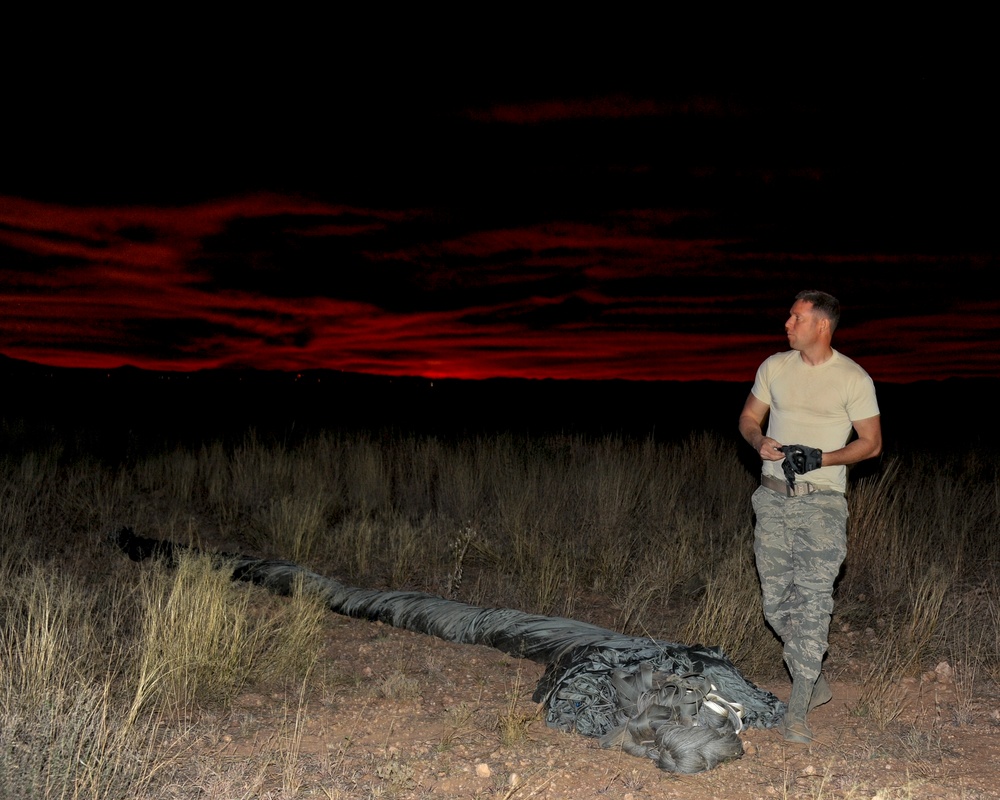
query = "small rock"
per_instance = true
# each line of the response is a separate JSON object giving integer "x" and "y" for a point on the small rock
{"x": 483, "y": 770}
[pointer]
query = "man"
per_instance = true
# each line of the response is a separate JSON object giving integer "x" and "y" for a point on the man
{"x": 813, "y": 398}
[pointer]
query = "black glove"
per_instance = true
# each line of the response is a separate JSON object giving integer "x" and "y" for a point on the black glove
{"x": 800, "y": 459}
{"x": 786, "y": 467}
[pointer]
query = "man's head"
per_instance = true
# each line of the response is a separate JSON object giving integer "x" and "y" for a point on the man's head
{"x": 823, "y": 304}
{"x": 811, "y": 323}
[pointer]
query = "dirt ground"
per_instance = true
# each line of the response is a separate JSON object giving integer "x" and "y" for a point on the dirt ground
{"x": 405, "y": 715}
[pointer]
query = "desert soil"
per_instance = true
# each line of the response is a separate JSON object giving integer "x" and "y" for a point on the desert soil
{"x": 405, "y": 715}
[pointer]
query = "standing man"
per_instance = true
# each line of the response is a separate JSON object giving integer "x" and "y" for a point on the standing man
{"x": 813, "y": 398}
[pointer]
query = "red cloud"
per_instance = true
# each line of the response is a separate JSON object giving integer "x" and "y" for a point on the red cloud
{"x": 109, "y": 286}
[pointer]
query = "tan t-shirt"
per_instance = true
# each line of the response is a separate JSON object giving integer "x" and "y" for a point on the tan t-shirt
{"x": 814, "y": 406}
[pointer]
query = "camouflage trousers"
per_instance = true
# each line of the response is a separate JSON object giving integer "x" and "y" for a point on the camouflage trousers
{"x": 799, "y": 544}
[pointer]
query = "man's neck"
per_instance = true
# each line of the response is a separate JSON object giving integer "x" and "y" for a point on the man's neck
{"x": 816, "y": 355}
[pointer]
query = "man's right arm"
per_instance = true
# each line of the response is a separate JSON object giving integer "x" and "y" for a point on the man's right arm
{"x": 752, "y": 429}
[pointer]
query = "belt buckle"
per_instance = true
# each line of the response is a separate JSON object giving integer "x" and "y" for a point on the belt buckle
{"x": 799, "y": 489}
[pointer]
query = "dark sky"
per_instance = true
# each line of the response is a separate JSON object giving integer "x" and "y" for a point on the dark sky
{"x": 517, "y": 209}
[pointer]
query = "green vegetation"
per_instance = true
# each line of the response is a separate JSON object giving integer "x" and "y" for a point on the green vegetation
{"x": 104, "y": 662}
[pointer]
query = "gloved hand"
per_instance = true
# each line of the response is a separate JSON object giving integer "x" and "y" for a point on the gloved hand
{"x": 801, "y": 459}
{"x": 786, "y": 467}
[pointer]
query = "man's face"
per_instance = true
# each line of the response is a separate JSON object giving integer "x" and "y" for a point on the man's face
{"x": 803, "y": 326}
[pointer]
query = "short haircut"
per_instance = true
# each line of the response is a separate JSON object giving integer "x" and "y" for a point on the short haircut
{"x": 826, "y": 304}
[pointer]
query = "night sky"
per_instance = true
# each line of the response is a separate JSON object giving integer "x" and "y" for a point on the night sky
{"x": 501, "y": 211}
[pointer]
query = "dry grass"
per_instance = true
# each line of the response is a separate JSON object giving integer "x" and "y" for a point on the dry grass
{"x": 513, "y": 721}
{"x": 62, "y": 727}
{"x": 95, "y": 654}
{"x": 88, "y": 670}
{"x": 204, "y": 639}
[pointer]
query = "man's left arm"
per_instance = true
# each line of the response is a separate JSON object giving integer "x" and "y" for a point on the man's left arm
{"x": 868, "y": 444}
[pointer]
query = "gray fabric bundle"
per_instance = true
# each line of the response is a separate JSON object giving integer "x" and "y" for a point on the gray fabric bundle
{"x": 680, "y": 705}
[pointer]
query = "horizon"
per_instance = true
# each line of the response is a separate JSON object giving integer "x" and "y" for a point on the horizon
{"x": 317, "y": 373}
{"x": 110, "y": 411}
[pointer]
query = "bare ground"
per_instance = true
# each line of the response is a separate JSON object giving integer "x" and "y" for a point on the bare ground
{"x": 396, "y": 714}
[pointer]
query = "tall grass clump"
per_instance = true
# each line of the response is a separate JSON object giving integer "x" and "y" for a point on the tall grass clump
{"x": 728, "y": 614}
{"x": 62, "y": 730}
{"x": 204, "y": 639}
{"x": 914, "y": 636}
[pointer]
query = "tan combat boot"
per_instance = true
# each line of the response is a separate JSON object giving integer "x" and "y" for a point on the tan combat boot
{"x": 795, "y": 727}
{"x": 821, "y": 693}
